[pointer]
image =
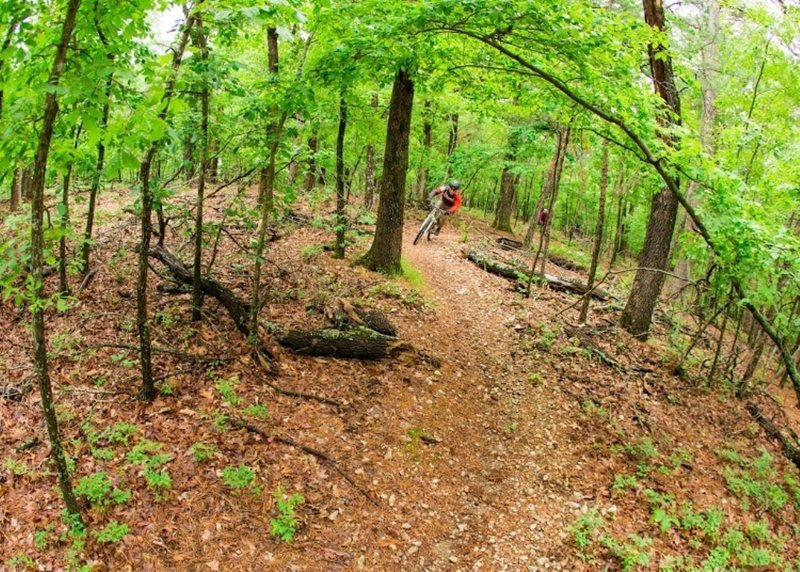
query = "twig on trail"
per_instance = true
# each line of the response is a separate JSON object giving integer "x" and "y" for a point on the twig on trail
{"x": 309, "y": 450}
{"x": 266, "y": 364}
{"x": 97, "y": 391}
{"x": 85, "y": 282}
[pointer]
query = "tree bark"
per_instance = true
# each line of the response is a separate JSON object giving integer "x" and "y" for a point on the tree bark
{"x": 638, "y": 313}
{"x": 452, "y": 143}
{"x": 369, "y": 176}
{"x": 197, "y": 291}
{"x": 427, "y": 141}
{"x": 98, "y": 172}
{"x": 505, "y": 205}
{"x": 15, "y": 184}
{"x": 148, "y": 392}
{"x": 311, "y": 175}
{"x": 341, "y": 201}
{"x": 384, "y": 254}
{"x": 266, "y": 185}
{"x": 37, "y": 262}
{"x": 598, "y": 236}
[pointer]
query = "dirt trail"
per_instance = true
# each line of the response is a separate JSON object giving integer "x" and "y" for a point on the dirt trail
{"x": 509, "y": 436}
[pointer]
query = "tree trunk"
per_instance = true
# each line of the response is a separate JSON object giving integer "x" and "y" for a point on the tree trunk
{"x": 543, "y": 194}
{"x": 265, "y": 181}
{"x": 27, "y": 183}
{"x": 37, "y": 262}
{"x": 197, "y": 291}
{"x": 15, "y": 183}
{"x": 341, "y": 201}
{"x": 422, "y": 172}
{"x": 452, "y": 143}
{"x": 369, "y": 176}
{"x": 598, "y": 235}
{"x": 266, "y": 185}
{"x": 508, "y": 188}
{"x": 647, "y": 284}
{"x": 384, "y": 254}
{"x": 98, "y": 173}
{"x": 562, "y": 141}
{"x": 311, "y": 175}
{"x": 148, "y": 392}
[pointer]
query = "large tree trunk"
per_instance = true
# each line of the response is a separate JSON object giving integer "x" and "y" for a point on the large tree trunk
{"x": 197, "y": 291}
{"x": 148, "y": 392}
{"x": 369, "y": 176}
{"x": 341, "y": 201}
{"x": 598, "y": 235}
{"x": 37, "y": 259}
{"x": 502, "y": 219}
{"x": 384, "y": 254}
{"x": 664, "y": 207}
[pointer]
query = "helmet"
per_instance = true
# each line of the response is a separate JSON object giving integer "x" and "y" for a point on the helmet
{"x": 455, "y": 185}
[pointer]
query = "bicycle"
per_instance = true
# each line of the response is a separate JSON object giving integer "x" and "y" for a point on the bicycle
{"x": 430, "y": 223}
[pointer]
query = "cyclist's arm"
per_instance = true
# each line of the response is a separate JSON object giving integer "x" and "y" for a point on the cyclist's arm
{"x": 456, "y": 204}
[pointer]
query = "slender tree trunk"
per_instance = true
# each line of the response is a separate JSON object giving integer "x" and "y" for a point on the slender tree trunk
{"x": 369, "y": 177}
{"x": 148, "y": 392}
{"x": 96, "y": 176}
{"x": 265, "y": 190}
{"x": 266, "y": 186}
{"x": 452, "y": 143}
{"x": 6, "y": 43}
{"x": 37, "y": 262}
{"x": 647, "y": 284}
{"x": 197, "y": 291}
{"x": 546, "y": 186}
{"x": 341, "y": 201}
{"x": 213, "y": 161}
{"x": 427, "y": 141}
{"x": 311, "y": 175}
{"x": 384, "y": 254}
{"x": 713, "y": 371}
{"x": 63, "y": 283}
{"x": 27, "y": 183}
{"x": 562, "y": 141}
{"x": 15, "y": 182}
{"x": 598, "y": 236}
{"x": 554, "y": 196}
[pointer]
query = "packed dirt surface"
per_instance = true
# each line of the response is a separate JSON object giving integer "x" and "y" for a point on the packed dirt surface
{"x": 478, "y": 449}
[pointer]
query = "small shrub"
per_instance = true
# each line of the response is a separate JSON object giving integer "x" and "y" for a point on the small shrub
{"x": 585, "y": 532}
{"x": 113, "y": 532}
{"x": 226, "y": 389}
{"x": 241, "y": 477}
{"x": 257, "y": 410}
{"x": 284, "y": 526}
{"x": 202, "y": 452}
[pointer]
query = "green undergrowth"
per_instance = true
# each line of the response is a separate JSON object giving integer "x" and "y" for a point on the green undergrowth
{"x": 662, "y": 526}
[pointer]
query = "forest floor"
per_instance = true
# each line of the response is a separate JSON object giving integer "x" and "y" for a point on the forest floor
{"x": 514, "y": 449}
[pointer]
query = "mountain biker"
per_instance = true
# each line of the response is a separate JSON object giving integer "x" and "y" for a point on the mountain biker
{"x": 449, "y": 201}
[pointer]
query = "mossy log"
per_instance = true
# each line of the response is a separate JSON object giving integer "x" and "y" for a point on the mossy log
{"x": 359, "y": 342}
{"x": 518, "y": 274}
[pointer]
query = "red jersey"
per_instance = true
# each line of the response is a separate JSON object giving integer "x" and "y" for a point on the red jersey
{"x": 451, "y": 201}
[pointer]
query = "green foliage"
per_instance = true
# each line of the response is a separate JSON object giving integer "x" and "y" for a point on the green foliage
{"x": 241, "y": 477}
{"x": 226, "y": 388}
{"x": 755, "y": 481}
{"x": 624, "y": 482}
{"x": 17, "y": 468}
{"x": 634, "y": 553}
{"x": 259, "y": 411}
{"x": 150, "y": 456}
{"x": 21, "y": 562}
{"x": 586, "y": 531}
{"x": 98, "y": 490}
{"x": 284, "y": 526}
{"x": 113, "y": 532}
{"x": 203, "y": 452}
{"x": 412, "y": 275}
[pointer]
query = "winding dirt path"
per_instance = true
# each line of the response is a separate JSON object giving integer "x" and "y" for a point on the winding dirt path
{"x": 507, "y": 437}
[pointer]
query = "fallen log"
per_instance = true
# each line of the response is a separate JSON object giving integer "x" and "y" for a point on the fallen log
{"x": 518, "y": 274}
{"x": 784, "y": 435}
{"x": 238, "y": 310}
{"x": 359, "y": 342}
{"x": 344, "y": 313}
{"x": 566, "y": 263}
